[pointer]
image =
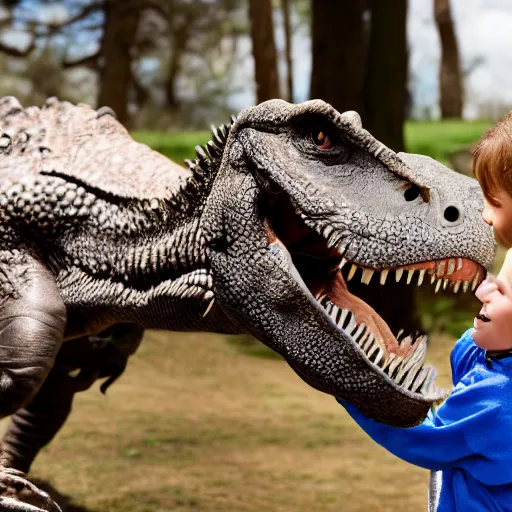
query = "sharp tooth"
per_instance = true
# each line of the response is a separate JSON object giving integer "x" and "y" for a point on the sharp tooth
{"x": 415, "y": 359}
{"x": 369, "y": 342}
{"x": 410, "y": 273}
{"x": 394, "y": 365}
{"x": 466, "y": 285}
{"x": 408, "y": 380}
{"x": 399, "y": 272}
{"x": 400, "y": 332}
{"x": 352, "y": 271}
{"x": 419, "y": 380}
{"x": 344, "y": 313}
{"x": 359, "y": 331}
{"x": 445, "y": 283}
{"x": 440, "y": 268}
{"x": 451, "y": 267}
{"x": 351, "y": 324}
{"x": 459, "y": 263}
{"x": 383, "y": 276}
{"x": 388, "y": 361}
{"x": 421, "y": 276}
{"x": 327, "y": 231}
{"x": 367, "y": 275}
{"x": 334, "y": 313}
{"x": 438, "y": 285}
{"x": 379, "y": 356}
{"x": 474, "y": 284}
{"x": 372, "y": 350}
{"x": 342, "y": 263}
{"x": 433, "y": 278}
{"x": 456, "y": 287}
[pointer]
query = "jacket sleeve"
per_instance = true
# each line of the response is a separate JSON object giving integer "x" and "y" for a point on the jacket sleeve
{"x": 470, "y": 431}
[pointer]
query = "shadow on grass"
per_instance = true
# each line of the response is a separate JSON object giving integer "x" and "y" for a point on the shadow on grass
{"x": 65, "y": 502}
{"x": 246, "y": 344}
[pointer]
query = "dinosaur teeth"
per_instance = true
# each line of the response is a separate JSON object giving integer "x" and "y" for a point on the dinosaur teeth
{"x": 456, "y": 287}
{"x": 410, "y": 275}
{"x": 383, "y": 276}
{"x": 367, "y": 275}
{"x": 451, "y": 267}
{"x": 352, "y": 271}
{"x": 399, "y": 272}
{"x": 421, "y": 276}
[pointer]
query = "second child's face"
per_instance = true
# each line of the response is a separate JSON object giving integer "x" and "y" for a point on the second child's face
{"x": 493, "y": 325}
{"x": 499, "y": 216}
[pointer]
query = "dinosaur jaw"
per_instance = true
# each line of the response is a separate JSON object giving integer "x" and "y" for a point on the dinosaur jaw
{"x": 326, "y": 273}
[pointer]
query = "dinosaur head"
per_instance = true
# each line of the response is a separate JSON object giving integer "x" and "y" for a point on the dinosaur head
{"x": 303, "y": 200}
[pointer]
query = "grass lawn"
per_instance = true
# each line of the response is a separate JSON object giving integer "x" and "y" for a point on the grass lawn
{"x": 196, "y": 425}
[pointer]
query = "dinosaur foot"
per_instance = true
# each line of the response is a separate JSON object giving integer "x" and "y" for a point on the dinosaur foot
{"x": 14, "y": 485}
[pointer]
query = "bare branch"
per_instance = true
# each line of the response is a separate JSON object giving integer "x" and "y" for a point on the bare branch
{"x": 84, "y": 13}
{"x": 89, "y": 61}
{"x": 11, "y": 51}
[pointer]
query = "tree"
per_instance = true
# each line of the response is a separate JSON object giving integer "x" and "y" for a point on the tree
{"x": 385, "y": 85}
{"x": 264, "y": 49}
{"x": 338, "y": 52}
{"x": 285, "y": 4}
{"x": 450, "y": 74}
{"x": 116, "y": 54}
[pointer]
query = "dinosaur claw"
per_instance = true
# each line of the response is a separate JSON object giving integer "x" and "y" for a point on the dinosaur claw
{"x": 12, "y": 504}
{"x": 10, "y": 477}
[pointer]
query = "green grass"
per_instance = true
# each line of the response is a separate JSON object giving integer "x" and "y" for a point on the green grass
{"x": 176, "y": 146}
{"x": 440, "y": 139}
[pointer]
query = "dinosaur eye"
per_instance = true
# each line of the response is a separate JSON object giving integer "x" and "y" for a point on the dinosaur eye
{"x": 321, "y": 139}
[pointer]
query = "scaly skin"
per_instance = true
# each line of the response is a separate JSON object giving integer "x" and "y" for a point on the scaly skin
{"x": 98, "y": 230}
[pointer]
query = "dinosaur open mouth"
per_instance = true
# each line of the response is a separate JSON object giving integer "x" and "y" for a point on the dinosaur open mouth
{"x": 329, "y": 276}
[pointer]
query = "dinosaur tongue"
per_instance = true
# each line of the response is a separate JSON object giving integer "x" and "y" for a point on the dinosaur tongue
{"x": 338, "y": 293}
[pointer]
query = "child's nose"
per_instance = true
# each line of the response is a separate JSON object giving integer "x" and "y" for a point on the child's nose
{"x": 486, "y": 287}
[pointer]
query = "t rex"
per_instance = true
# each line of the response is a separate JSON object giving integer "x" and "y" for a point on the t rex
{"x": 103, "y": 237}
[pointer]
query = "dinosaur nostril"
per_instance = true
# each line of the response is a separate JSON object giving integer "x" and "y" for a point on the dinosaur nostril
{"x": 451, "y": 214}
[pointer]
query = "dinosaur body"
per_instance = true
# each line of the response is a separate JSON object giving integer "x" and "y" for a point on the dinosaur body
{"x": 261, "y": 235}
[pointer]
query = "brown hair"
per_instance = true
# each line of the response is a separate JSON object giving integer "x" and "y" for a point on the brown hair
{"x": 492, "y": 159}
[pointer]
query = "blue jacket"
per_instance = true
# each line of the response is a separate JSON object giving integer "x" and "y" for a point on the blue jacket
{"x": 470, "y": 437}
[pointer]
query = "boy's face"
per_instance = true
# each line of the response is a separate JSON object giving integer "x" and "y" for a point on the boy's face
{"x": 493, "y": 325}
{"x": 499, "y": 216}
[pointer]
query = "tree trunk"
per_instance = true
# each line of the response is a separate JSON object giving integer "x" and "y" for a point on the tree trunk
{"x": 263, "y": 49}
{"x": 288, "y": 49}
{"x": 450, "y": 76}
{"x": 385, "y": 88}
{"x": 338, "y": 53}
{"x": 121, "y": 21}
{"x": 179, "y": 38}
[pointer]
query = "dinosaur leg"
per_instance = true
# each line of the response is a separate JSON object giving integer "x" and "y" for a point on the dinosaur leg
{"x": 34, "y": 426}
{"x": 32, "y": 322}
{"x": 78, "y": 365}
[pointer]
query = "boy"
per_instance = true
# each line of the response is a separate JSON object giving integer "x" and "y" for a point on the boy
{"x": 469, "y": 439}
